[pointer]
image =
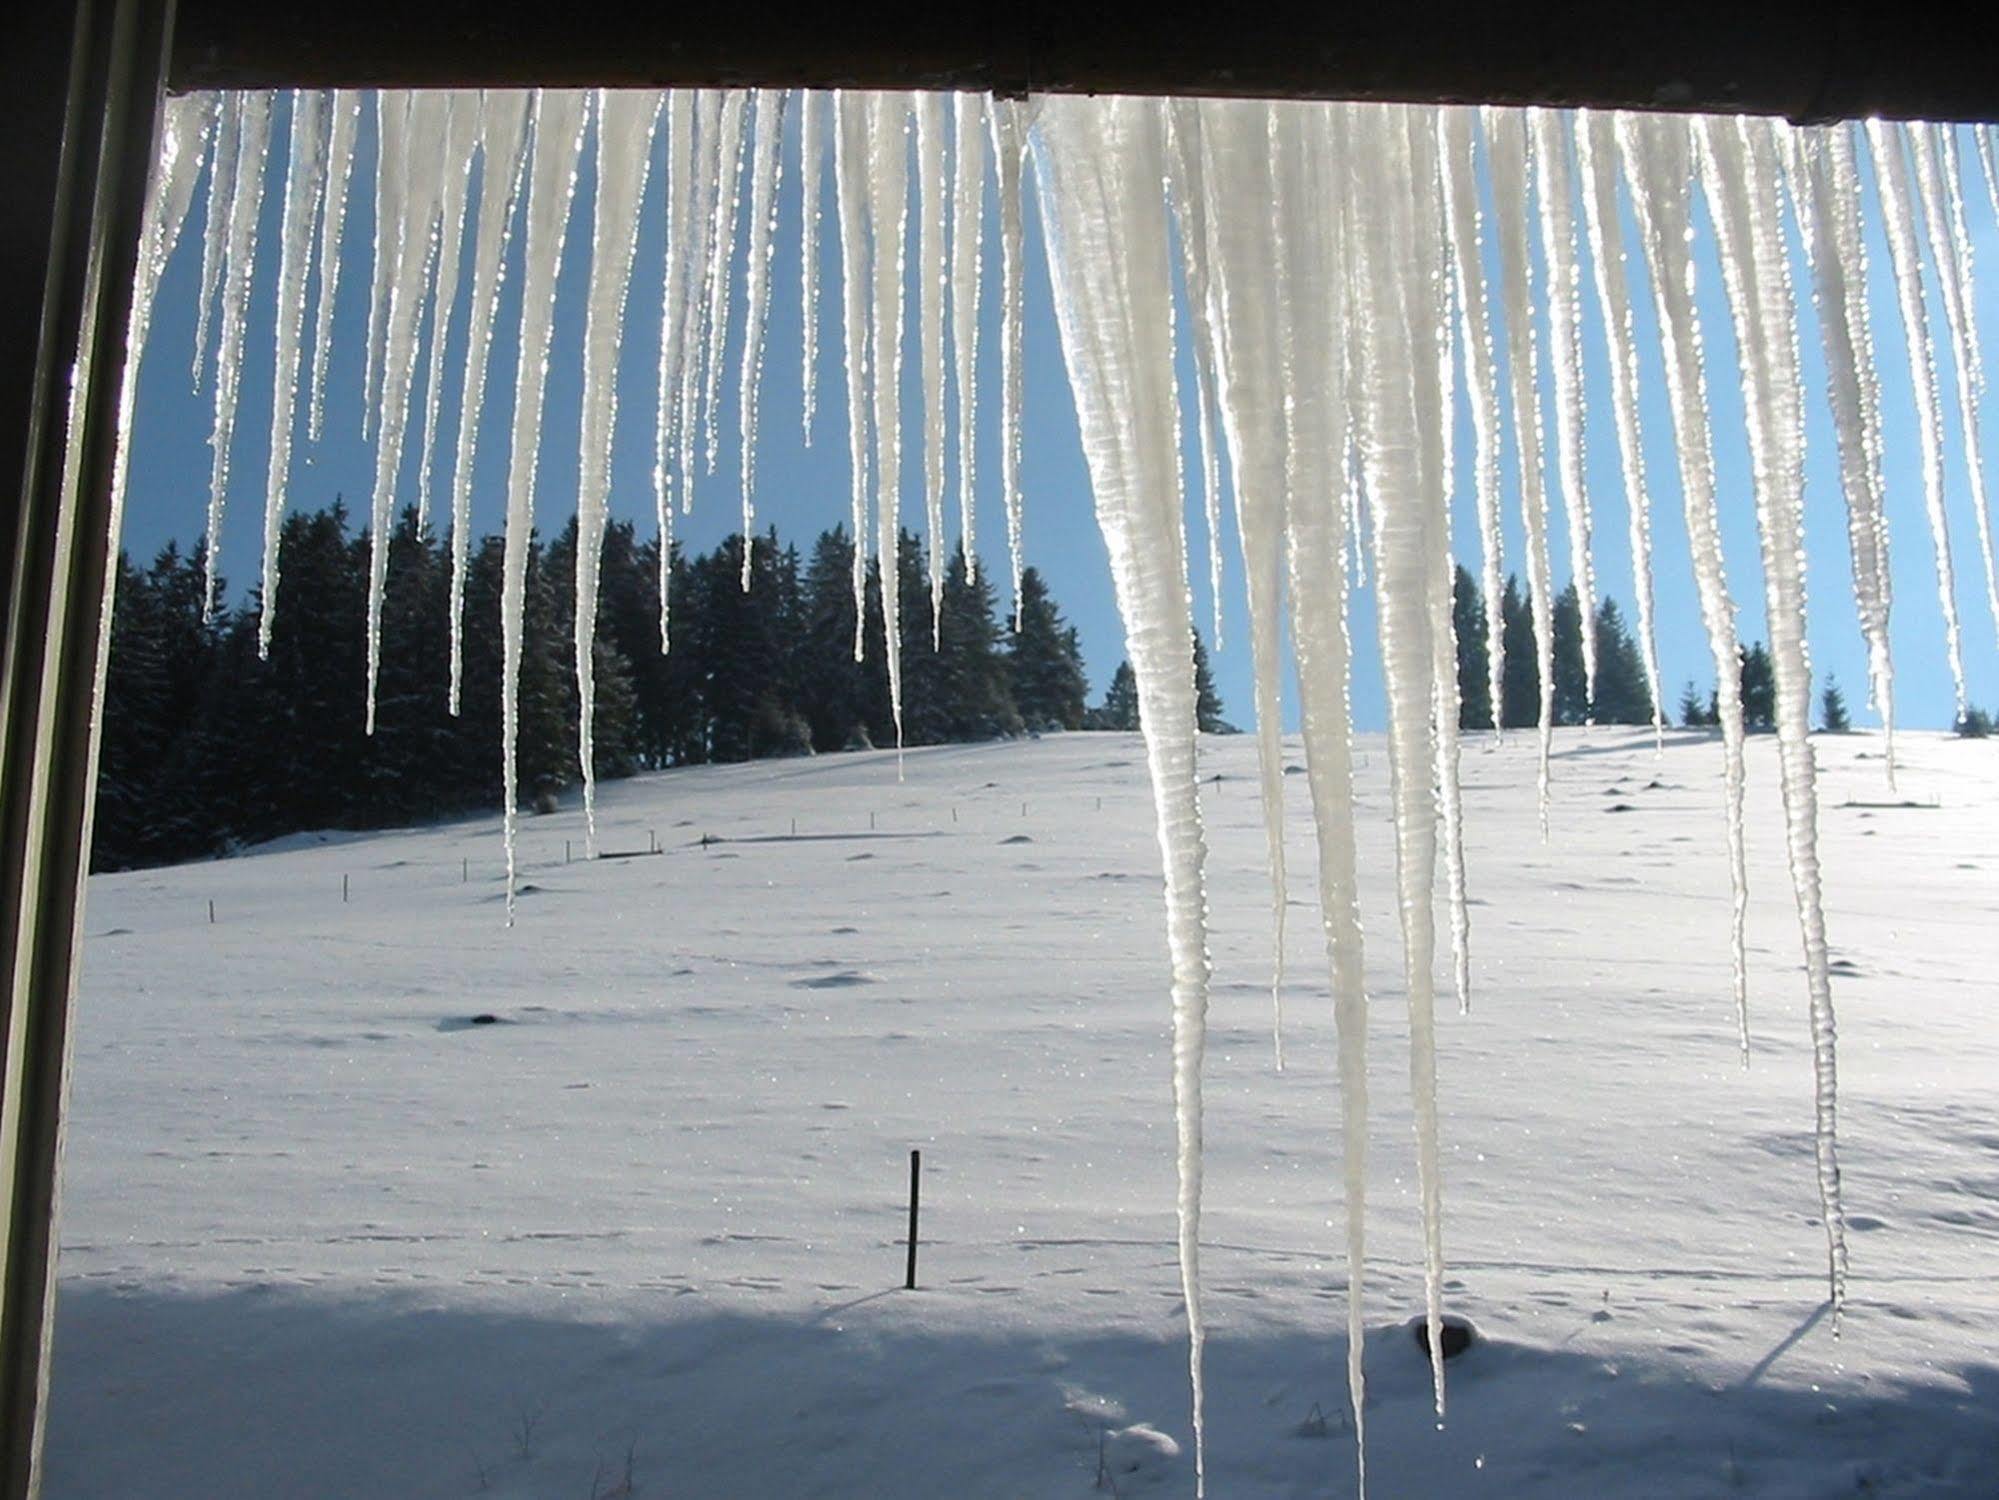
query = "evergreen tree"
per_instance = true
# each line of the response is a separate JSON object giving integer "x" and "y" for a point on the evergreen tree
{"x": 1120, "y": 705}
{"x": 1474, "y": 657}
{"x": 1207, "y": 702}
{"x": 1833, "y": 718}
{"x": 1571, "y": 683}
{"x": 1759, "y": 689}
{"x": 1622, "y": 695}
{"x": 974, "y": 681}
{"x": 1520, "y": 681}
{"x": 830, "y": 681}
{"x": 1044, "y": 665}
{"x": 1695, "y": 712}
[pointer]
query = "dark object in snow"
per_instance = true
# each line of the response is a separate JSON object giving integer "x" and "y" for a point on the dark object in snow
{"x": 1620, "y": 807}
{"x": 1456, "y": 1336}
{"x": 484, "y": 1018}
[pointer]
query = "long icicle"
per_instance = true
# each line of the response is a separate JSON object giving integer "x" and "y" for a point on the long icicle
{"x": 810, "y": 150}
{"x": 968, "y": 209}
{"x": 721, "y": 264}
{"x": 503, "y": 130}
{"x": 559, "y": 119}
{"x": 344, "y": 117}
{"x": 392, "y": 138}
{"x": 305, "y": 182}
{"x": 1187, "y": 188}
{"x": 1658, "y": 164}
{"x": 1740, "y": 170}
{"x": 764, "y": 165}
{"x": 672, "y": 336}
{"x": 933, "y": 188}
{"x": 850, "y": 180}
{"x": 702, "y": 256}
{"x": 460, "y": 146}
{"x": 1009, "y": 134}
{"x": 223, "y": 155}
{"x": 888, "y": 217}
{"x": 1101, "y": 163}
{"x": 626, "y": 119}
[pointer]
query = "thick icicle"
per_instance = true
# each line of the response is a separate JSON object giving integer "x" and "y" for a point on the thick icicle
{"x": 672, "y": 334}
{"x": 305, "y": 181}
{"x": 343, "y": 119}
{"x": 1658, "y": 164}
{"x": 968, "y": 209}
{"x": 1898, "y": 221}
{"x": 503, "y": 133}
{"x": 701, "y": 253}
{"x": 1596, "y": 152}
{"x": 810, "y": 150}
{"x": 850, "y": 180}
{"x": 888, "y": 215}
{"x": 1009, "y": 135}
{"x": 417, "y": 198}
{"x": 392, "y": 141}
{"x": 1400, "y": 285}
{"x": 1739, "y": 166}
{"x": 764, "y": 162}
{"x": 1506, "y": 153}
{"x": 1243, "y": 256}
{"x": 1555, "y": 196}
{"x": 559, "y": 119}
{"x": 223, "y": 156}
{"x": 932, "y": 189}
{"x": 1101, "y": 163}
{"x": 1838, "y": 255}
{"x": 1937, "y": 184}
{"x": 239, "y": 265}
{"x": 721, "y": 262}
{"x": 1462, "y": 218}
{"x": 625, "y": 122}
{"x": 460, "y": 145}
{"x": 1316, "y": 444}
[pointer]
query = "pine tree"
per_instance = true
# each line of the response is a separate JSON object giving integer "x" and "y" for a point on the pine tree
{"x": 1832, "y": 709}
{"x": 1520, "y": 681}
{"x": 1759, "y": 689}
{"x": 1622, "y": 695}
{"x": 830, "y": 681}
{"x": 1474, "y": 658}
{"x": 1207, "y": 702}
{"x": 1044, "y": 666}
{"x": 1120, "y": 705}
{"x": 1695, "y": 712}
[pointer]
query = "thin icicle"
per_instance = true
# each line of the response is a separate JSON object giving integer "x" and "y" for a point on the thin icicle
{"x": 1443, "y": 623}
{"x": 1463, "y": 220}
{"x": 625, "y": 123}
{"x": 721, "y": 263}
{"x": 1009, "y": 136}
{"x": 1101, "y": 163}
{"x": 239, "y": 266}
{"x": 764, "y": 167}
{"x": 1555, "y": 196}
{"x": 1187, "y": 188}
{"x": 810, "y": 149}
{"x": 850, "y": 179}
{"x": 1244, "y": 252}
{"x": 888, "y": 216}
{"x": 460, "y": 145}
{"x": 417, "y": 199}
{"x": 1937, "y": 184}
{"x": 1506, "y": 153}
{"x": 1596, "y": 152}
{"x": 968, "y": 209}
{"x": 1898, "y": 221}
{"x": 932, "y": 189}
{"x": 305, "y": 181}
{"x": 701, "y": 253}
{"x": 344, "y": 117}
{"x": 559, "y": 118}
{"x": 1658, "y": 164}
{"x": 1740, "y": 169}
{"x": 672, "y": 334}
{"x": 392, "y": 140}
{"x": 503, "y": 132}
{"x": 223, "y": 156}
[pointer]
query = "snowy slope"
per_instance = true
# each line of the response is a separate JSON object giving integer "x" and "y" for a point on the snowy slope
{"x": 324, "y": 1238}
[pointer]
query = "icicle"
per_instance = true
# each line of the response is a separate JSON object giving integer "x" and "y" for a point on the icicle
{"x": 417, "y": 197}
{"x": 1891, "y": 176}
{"x": 1187, "y": 189}
{"x": 850, "y": 179}
{"x": 1506, "y": 153}
{"x": 702, "y": 254}
{"x": 1443, "y": 623}
{"x": 461, "y": 143}
{"x": 392, "y": 139}
{"x": 239, "y": 266}
{"x": 809, "y": 152}
{"x": 1462, "y": 218}
{"x": 673, "y": 353}
{"x": 503, "y": 130}
{"x": 1400, "y": 284}
{"x": 226, "y": 138}
{"x": 1950, "y": 251}
{"x": 1658, "y": 164}
{"x": 1596, "y": 152}
{"x": 968, "y": 204}
{"x": 932, "y": 188}
{"x": 1739, "y": 168}
{"x": 764, "y": 167}
{"x": 1838, "y": 256}
{"x": 722, "y": 254}
{"x": 559, "y": 119}
{"x": 1243, "y": 255}
{"x": 888, "y": 214}
{"x": 625, "y": 122}
{"x": 343, "y": 118}
{"x": 305, "y": 180}
{"x": 1555, "y": 195}
{"x": 1009, "y": 134}
{"x": 1317, "y": 440}
{"x": 1101, "y": 163}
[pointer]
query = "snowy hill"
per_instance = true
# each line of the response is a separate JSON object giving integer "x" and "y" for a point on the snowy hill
{"x": 324, "y": 1235}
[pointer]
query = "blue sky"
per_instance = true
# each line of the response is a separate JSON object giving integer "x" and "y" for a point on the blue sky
{"x": 802, "y": 489}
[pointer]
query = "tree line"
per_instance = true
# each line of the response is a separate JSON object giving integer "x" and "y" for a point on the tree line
{"x": 208, "y": 745}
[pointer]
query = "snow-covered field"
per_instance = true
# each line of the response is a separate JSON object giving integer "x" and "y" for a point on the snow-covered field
{"x": 323, "y": 1237}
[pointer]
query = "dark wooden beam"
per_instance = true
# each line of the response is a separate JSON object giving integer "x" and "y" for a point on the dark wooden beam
{"x": 1808, "y": 62}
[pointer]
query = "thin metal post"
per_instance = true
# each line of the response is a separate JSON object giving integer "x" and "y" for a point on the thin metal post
{"x": 915, "y": 1195}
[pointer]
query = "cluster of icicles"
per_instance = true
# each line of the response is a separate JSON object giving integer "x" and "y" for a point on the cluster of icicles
{"x": 1333, "y": 259}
